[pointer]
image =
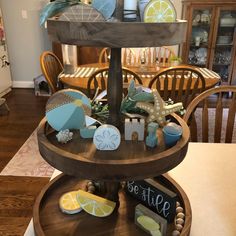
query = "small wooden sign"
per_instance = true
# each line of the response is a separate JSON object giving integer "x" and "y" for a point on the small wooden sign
{"x": 155, "y": 196}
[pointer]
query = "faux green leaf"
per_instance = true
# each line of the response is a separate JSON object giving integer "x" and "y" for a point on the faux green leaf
{"x": 106, "y": 7}
{"x": 143, "y": 97}
{"x": 131, "y": 89}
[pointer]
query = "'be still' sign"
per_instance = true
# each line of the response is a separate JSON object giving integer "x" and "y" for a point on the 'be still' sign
{"x": 155, "y": 196}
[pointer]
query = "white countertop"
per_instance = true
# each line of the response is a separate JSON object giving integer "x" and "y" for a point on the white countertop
{"x": 208, "y": 176}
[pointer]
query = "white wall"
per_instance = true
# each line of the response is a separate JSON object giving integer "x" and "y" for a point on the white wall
{"x": 178, "y": 8}
{"x": 26, "y": 40}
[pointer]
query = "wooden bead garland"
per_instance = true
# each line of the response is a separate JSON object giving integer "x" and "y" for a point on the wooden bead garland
{"x": 179, "y": 220}
{"x": 90, "y": 187}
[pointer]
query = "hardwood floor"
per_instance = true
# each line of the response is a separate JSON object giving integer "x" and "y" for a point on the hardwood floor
{"x": 26, "y": 111}
{"x": 17, "y": 194}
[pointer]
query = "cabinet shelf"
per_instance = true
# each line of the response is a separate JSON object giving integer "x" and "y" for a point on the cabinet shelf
{"x": 224, "y": 45}
{"x": 200, "y": 46}
{"x": 205, "y": 25}
{"x": 217, "y": 64}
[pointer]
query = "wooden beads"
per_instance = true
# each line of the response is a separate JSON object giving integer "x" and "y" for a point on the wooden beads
{"x": 175, "y": 233}
{"x": 179, "y": 220}
{"x": 90, "y": 187}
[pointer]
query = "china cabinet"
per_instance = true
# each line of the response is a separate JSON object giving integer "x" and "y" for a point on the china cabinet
{"x": 79, "y": 160}
{"x": 211, "y": 36}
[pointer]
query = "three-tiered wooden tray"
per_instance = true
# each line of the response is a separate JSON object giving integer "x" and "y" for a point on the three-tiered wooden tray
{"x": 80, "y": 161}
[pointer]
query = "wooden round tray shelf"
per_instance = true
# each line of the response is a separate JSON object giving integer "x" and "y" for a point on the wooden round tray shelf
{"x": 131, "y": 161}
{"x": 114, "y": 34}
{"x": 49, "y": 220}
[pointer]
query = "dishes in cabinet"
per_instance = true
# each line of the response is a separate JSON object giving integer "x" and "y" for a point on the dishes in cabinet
{"x": 197, "y": 19}
{"x": 201, "y": 55}
{"x": 199, "y": 32}
{"x": 228, "y": 20}
{"x": 224, "y": 39}
{"x": 205, "y": 18}
{"x": 191, "y": 57}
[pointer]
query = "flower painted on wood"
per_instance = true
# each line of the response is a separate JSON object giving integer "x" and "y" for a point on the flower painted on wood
{"x": 107, "y": 137}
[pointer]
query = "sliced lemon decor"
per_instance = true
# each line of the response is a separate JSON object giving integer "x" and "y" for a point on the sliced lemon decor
{"x": 68, "y": 203}
{"x": 159, "y": 11}
{"x": 95, "y": 205}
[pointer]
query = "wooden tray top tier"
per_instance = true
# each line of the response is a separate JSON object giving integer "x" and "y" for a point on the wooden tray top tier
{"x": 49, "y": 220}
{"x": 131, "y": 161}
{"x": 117, "y": 34}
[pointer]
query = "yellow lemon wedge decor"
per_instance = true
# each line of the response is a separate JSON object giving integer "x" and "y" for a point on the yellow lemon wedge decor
{"x": 159, "y": 11}
{"x": 68, "y": 203}
{"x": 149, "y": 224}
{"x": 95, "y": 205}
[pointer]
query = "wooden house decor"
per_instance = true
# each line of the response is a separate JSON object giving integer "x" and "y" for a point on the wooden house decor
{"x": 133, "y": 126}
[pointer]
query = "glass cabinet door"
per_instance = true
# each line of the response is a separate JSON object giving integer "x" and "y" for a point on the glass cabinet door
{"x": 199, "y": 44}
{"x": 224, "y": 44}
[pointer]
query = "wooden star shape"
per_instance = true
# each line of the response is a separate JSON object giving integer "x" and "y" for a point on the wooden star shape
{"x": 159, "y": 110}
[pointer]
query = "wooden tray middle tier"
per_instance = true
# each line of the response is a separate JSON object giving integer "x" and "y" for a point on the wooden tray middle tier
{"x": 131, "y": 161}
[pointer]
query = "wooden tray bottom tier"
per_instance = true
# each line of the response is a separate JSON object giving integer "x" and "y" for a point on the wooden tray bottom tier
{"x": 49, "y": 220}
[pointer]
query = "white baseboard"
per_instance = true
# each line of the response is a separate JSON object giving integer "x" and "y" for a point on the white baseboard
{"x": 23, "y": 84}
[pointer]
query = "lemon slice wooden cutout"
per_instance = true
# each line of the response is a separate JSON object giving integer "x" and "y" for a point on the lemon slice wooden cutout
{"x": 68, "y": 203}
{"x": 159, "y": 11}
{"x": 95, "y": 205}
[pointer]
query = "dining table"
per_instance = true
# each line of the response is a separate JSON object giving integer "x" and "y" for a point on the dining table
{"x": 81, "y": 74}
{"x": 208, "y": 177}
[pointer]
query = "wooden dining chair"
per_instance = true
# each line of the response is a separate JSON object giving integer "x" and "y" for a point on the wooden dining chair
{"x": 178, "y": 83}
{"x": 98, "y": 80}
{"x": 128, "y": 56}
{"x": 211, "y": 115}
{"x": 157, "y": 55}
{"x": 51, "y": 67}
{"x": 104, "y": 56}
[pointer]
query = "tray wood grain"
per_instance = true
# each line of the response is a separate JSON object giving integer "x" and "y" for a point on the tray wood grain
{"x": 49, "y": 220}
{"x": 131, "y": 161}
{"x": 117, "y": 34}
